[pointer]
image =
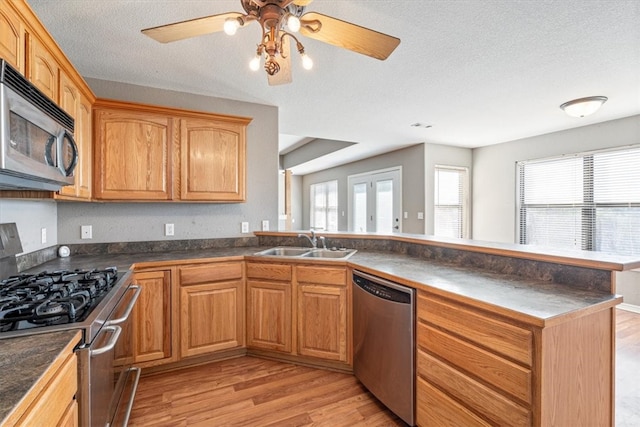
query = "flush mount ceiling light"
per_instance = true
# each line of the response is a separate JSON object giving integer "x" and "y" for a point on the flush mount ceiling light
{"x": 583, "y": 106}
{"x": 279, "y": 19}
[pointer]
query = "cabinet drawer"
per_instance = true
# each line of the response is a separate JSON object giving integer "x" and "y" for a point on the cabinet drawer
{"x": 322, "y": 275}
{"x": 508, "y": 376}
{"x": 269, "y": 271}
{"x": 208, "y": 273}
{"x": 473, "y": 394}
{"x": 436, "y": 409}
{"x": 509, "y": 340}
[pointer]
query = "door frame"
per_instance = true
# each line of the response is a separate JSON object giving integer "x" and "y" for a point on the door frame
{"x": 370, "y": 177}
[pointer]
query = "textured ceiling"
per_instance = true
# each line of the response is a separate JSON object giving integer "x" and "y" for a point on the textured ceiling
{"x": 479, "y": 72}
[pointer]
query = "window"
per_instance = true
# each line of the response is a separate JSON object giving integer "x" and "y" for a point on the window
{"x": 450, "y": 210}
{"x": 324, "y": 206}
{"x": 588, "y": 201}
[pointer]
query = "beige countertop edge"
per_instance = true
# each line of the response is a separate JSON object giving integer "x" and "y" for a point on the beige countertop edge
{"x": 588, "y": 259}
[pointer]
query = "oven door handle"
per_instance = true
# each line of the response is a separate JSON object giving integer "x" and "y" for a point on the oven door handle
{"x": 115, "y": 334}
{"x": 125, "y": 316}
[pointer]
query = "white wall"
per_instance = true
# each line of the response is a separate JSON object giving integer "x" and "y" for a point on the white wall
{"x": 442, "y": 155}
{"x": 129, "y": 222}
{"x": 31, "y": 216}
{"x": 494, "y": 170}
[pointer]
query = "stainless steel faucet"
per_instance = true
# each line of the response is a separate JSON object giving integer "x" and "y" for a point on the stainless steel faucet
{"x": 313, "y": 240}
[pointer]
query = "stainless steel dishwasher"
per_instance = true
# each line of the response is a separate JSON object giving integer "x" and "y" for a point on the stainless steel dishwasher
{"x": 384, "y": 342}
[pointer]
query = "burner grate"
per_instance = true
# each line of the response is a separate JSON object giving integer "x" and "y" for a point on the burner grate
{"x": 59, "y": 297}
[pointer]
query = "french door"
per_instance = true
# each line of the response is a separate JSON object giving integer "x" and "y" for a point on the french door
{"x": 375, "y": 201}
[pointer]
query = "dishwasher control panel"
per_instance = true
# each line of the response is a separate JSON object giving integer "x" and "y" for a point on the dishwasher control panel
{"x": 382, "y": 291}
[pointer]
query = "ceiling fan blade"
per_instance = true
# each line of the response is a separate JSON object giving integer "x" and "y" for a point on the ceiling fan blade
{"x": 302, "y": 2}
{"x": 190, "y": 28}
{"x": 284, "y": 75}
{"x": 347, "y": 35}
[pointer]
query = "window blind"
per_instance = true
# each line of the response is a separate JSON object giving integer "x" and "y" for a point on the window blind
{"x": 450, "y": 206}
{"x": 588, "y": 201}
{"x": 324, "y": 206}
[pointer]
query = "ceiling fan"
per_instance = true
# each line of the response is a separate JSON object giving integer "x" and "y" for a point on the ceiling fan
{"x": 279, "y": 20}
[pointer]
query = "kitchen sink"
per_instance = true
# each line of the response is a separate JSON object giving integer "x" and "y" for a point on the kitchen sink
{"x": 330, "y": 253}
{"x": 284, "y": 251}
{"x": 287, "y": 251}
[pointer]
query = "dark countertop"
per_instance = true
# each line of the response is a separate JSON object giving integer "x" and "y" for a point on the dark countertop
{"x": 534, "y": 301}
{"x": 24, "y": 360}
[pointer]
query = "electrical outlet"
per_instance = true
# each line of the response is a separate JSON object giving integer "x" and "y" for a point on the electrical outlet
{"x": 265, "y": 225}
{"x": 43, "y": 235}
{"x": 168, "y": 229}
{"x": 86, "y": 232}
{"x": 245, "y": 227}
{"x": 406, "y": 215}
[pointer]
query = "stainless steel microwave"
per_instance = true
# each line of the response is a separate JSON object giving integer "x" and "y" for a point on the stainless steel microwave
{"x": 37, "y": 150}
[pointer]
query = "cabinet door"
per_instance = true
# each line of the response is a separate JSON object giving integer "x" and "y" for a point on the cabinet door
{"x": 11, "y": 37}
{"x": 79, "y": 107}
{"x": 152, "y": 321}
{"x": 212, "y": 160}
{"x": 43, "y": 69}
{"x": 211, "y": 317}
{"x": 269, "y": 315}
{"x": 322, "y": 321}
{"x": 132, "y": 159}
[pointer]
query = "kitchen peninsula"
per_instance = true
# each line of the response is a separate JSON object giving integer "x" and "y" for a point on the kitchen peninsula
{"x": 505, "y": 332}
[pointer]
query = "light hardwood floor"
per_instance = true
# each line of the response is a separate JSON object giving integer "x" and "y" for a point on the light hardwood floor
{"x": 248, "y": 391}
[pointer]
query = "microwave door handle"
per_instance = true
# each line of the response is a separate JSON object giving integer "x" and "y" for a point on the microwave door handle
{"x": 125, "y": 316}
{"x": 68, "y": 171}
{"x": 47, "y": 151}
{"x": 115, "y": 334}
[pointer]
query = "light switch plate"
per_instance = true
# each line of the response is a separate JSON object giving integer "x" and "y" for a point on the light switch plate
{"x": 43, "y": 235}
{"x": 265, "y": 225}
{"x": 168, "y": 230}
{"x": 245, "y": 227}
{"x": 420, "y": 215}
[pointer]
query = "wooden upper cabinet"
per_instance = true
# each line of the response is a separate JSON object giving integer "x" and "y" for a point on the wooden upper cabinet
{"x": 79, "y": 107}
{"x": 212, "y": 160}
{"x": 146, "y": 152}
{"x": 132, "y": 158}
{"x": 12, "y": 37}
{"x": 43, "y": 68}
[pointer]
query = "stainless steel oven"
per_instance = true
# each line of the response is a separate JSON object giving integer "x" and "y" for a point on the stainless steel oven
{"x": 100, "y": 303}
{"x": 107, "y": 377}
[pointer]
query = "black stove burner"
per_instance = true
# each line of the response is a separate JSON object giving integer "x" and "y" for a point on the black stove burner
{"x": 33, "y": 300}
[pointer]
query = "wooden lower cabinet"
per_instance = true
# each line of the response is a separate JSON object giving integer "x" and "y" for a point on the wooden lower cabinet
{"x": 299, "y": 310}
{"x": 476, "y": 368}
{"x": 322, "y": 312}
{"x": 212, "y": 308}
{"x": 269, "y": 307}
{"x": 51, "y": 401}
{"x": 152, "y": 318}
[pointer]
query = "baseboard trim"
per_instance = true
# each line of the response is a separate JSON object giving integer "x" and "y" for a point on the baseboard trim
{"x": 629, "y": 307}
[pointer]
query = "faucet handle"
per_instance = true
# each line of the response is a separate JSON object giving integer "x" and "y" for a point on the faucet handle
{"x": 324, "y": 242}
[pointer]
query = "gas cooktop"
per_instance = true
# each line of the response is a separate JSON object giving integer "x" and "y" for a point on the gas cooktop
{"x": 58, "y": 298}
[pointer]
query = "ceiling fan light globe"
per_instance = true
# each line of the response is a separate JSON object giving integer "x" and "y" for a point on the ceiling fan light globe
{"x": 254, "y": 64}
{"x": 293, "y": 23}
{"x": 231, "y": 26}
{"x": 307, "y": 63}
